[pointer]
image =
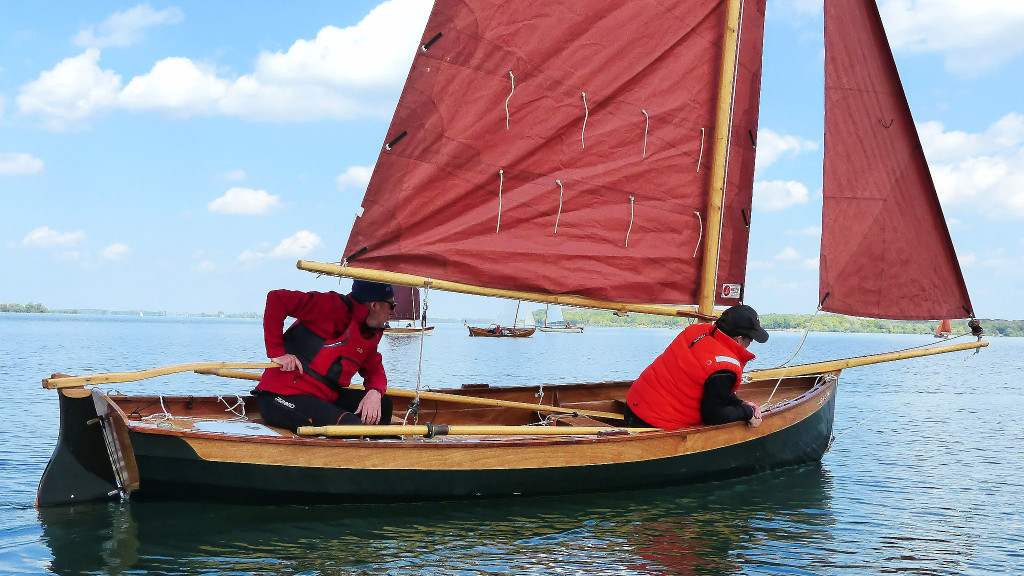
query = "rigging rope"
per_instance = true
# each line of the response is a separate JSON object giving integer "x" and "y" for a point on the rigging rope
{"x": 790, "y": 359}
{"x": 414, "y": 406}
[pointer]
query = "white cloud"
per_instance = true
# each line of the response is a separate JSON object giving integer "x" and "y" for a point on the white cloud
{"x": 245, "y": 201}
{"x": 16, "y": 163}
{"x": 778, "y": 194}
{"x": 250, "y": 256}
{"x": 981, "y": 171}
{"x": 72, "y": 92}
{"x": 204, "y": 266}
{"x": 115, "y": 252}
{"x": 771, "y": 146}
{"x": 788, "y": 253}
{"x": 296, "y": 246}
{"x": 46, "y": 237}
{"x": 972, "y": 36}
{"x": 126, "y": 28}
{"x": 808, "y": 231}
{"x": 236, "y": 175}
{"x": 355, "y": 176}
{"x": 342, "y": 73}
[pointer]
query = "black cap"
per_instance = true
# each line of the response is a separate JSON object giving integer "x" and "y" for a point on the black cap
{"x": 364, "y": 291}
{"x": 741, "y": 320}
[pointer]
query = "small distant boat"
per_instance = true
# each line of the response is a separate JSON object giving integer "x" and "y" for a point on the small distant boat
{"x": 522, "y": 325}
{"x": 553, "y": 322}
{"x": 945, "y": 329}
{"x": 408, "y": 313}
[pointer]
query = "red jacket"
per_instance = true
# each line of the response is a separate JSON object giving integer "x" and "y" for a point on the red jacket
{"x": 668, "y": 393}
{"x": 347, "y": 340}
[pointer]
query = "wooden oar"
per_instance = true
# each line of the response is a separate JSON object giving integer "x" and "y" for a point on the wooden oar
{"x": 822, "y": 367}
{"x": 441, "y": 397}
{"x": 56, "y": 381}
{"x": 431, "y": 430}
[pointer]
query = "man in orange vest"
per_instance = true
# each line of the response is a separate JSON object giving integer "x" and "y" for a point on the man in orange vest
{"x": 694, "y": 381}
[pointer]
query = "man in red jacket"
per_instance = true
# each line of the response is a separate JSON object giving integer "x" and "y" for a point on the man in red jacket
{"x": 334, "y": 337}
{"x": 694, "y": 380}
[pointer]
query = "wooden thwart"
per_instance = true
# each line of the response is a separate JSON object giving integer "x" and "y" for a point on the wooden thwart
{"x": 431, "y": 430}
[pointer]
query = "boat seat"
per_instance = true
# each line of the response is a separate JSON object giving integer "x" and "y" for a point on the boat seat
{"x": 580, "y": 421}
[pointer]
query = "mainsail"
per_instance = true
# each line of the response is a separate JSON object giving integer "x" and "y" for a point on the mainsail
{"x": 529, "y": 152}
{"x": 885, "y": 248}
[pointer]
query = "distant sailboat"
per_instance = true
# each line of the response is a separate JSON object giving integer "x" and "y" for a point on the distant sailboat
{"x": 945, "y": 329}
{"x": 523, "y": 325}
{"x": 553, "y": 322}
{"x": 408, "y": 318}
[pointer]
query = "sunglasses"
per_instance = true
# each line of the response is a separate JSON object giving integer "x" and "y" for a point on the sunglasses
{"x": 392, "y": 304}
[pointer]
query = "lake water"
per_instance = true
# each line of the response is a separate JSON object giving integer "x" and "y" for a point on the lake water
{"x": 926, "y": 474}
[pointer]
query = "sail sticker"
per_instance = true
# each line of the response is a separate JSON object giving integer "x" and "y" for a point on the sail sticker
{"x": 732, "y": 290}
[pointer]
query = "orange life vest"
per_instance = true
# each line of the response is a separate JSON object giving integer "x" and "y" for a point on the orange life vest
{"x": 668, "y": 393}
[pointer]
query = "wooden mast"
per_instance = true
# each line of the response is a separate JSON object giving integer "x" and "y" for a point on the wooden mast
{"x": 719, "y": 164}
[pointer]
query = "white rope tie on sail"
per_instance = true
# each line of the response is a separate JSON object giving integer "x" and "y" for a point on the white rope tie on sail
{"x": 501, "y": 182}
{"x": 559, "y": 215}
{"x": 513, "y": 78}
{"x": 586, "y": 114}
{"x": 701, "y": 156}
{"x": 628, "y": 230}
{"x": 646, "y": 128}
{"x": 700, "y": 236}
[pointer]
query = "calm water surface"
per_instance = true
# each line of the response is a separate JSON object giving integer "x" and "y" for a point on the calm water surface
{"x": 926, "y": 474}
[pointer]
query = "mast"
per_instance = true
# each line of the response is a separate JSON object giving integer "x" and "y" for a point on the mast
{"x": 720, "y": 152}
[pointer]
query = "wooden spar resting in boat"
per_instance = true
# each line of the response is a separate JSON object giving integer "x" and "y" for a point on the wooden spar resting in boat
{"x": 621, "y": 210}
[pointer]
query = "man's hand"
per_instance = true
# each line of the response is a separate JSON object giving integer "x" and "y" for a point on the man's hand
{"x": 369, "y": 407}
{"x": 755, "y": 420}
{"x": 289, "y": 363}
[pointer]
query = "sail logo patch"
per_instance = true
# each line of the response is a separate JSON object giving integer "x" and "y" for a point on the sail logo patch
{"x": 731, "y": 290}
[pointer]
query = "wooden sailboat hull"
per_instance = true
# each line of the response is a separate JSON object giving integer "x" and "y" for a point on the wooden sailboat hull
{"x": 562, "y": 330}
{"x": 171, "y": 459}
{"x": 505, "y": 332}
{"x": 403, "y": 331}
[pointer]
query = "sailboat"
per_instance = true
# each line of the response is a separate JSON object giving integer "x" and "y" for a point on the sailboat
{"x": 583, "y": 153}
{"x": 945, "y": 329}
{"x": 521, "y": 325}
{"x": 553, "y": 322}
{"x": 407, "y": 318}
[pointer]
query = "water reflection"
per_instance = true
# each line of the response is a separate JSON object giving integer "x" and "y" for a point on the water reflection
{"x": 707, "y": 529}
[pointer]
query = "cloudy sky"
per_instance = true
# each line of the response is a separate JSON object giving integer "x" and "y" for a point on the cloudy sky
{"x": 182, "y": 156}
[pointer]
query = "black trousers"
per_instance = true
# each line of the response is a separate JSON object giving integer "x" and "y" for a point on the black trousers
{"x": 293, "y": 411}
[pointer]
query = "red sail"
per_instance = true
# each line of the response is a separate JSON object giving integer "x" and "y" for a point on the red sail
{"x": 885, "y": 248}
{"x": 466, "y": 192}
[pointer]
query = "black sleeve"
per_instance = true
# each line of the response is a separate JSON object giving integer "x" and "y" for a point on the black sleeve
{"x": 719, "y": 405}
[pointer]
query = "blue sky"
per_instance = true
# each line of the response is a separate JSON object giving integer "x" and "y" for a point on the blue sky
{"x": 182, "y": 156}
